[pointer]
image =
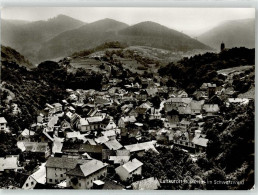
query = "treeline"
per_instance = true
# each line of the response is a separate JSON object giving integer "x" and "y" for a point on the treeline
{"x": 106, "y": 45}
{"x": 191, "y": 72}
{"x": 231, "y": 144}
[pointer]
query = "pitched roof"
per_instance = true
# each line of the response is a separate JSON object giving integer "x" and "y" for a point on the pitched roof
{"x": 131, "y": 165}
{"x": 27, "y": 132}
{"x": 206, "y": 85}
{"x": 113, "y": 145}
{"x": 40, "y": 174}
{"x": 9, "y": 163}
{"x": 57, "y": 105}
{"x": 197, "y": 140}
{"x": 87, "y": 168}
{"x": 130, "y": 119}
{"x": 112, "y": 132}
{"x": 90, "y": 148}
{"x": 101, "y": 139}
{"x": 119, "y": 159}
{"x": 95, "y": 119}
{"x": 146, "y": 184}
{"x": 152, "y": 91}
{"x": 179, "y": 100}
{"x": 196, "y": 105}
{"x": 184, "y": 110}
{"x": 211, "y": 107}
{"x": 35, "y": 146}
{"x": 141, "y": 146}
{"x": 64, "y": 162}
{"x": 83, "y": 121}
{"x": 2, "y": 120}
{"x": 123, "y": 152}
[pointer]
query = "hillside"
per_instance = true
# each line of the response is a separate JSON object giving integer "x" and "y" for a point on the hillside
{"x": 237, "y": 33}
{"x": 155, "y": 35}
{"x": 27, "y": 37}
{"x": 143, "y": 34}
{"x": 10, "y": 55}
{"x": 191, "y": 73}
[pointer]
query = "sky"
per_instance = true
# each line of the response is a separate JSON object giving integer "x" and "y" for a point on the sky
{"x": 191, "y": 21}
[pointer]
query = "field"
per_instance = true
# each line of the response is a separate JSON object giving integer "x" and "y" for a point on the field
{"x": 230, "y": 71}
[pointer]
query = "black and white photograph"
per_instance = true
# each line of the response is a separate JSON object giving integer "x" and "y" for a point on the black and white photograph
{"x": 127, "y": 98}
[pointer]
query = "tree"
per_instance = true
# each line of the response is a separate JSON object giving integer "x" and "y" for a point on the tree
{"x": 155, "y": 102}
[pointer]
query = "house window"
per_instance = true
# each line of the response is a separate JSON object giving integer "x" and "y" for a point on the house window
{"x": 32, "y": 183}
{"x": 80, "y": 184}
{"x": 56, "y": 180}
{"x": 61, "y": 175}
{"x": 87, "y": 183}
{"x": 27, "y": 184}
{"x": 50, "y": 180}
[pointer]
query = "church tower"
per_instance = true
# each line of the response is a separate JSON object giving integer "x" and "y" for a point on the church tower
{"x": 222, "y": 46}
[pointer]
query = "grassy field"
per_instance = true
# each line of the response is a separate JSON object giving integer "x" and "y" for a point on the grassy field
{"x": 238, "y": 69}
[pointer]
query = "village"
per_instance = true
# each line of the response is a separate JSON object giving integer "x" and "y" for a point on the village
{"x": 91, "y": 139}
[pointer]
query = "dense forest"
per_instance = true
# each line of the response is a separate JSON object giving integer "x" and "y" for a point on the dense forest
{"x": 191, "y": 73}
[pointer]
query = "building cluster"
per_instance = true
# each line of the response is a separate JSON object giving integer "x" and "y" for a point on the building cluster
{"x": 87, "y": 138}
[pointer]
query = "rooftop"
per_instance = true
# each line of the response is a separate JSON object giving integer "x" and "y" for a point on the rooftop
{"x": 130, "y": 166}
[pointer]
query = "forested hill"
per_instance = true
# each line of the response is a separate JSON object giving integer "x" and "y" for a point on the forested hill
{"x": 191, "y": 73}
{"x": 11, "y": 55}
{"x": 143, "y": 34}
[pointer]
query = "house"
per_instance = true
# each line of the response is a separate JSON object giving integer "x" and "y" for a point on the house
{"x": 9, "y": 163}
{"x": 57, "y": 107}
{"x": 154, "y": 114}
{"x": 49, "y": 110}
{"x": 83, "y": 175}
{"x": 142, "y": 95}
{"x": 32, "y": 149}
{"x": 101, "y": 139}
{"x": 140, "y": 148}
{"x": 238, "y": 101}
{"x": 183, "y": 140}
{"x": 65, "y": 125}
{"x": 95, "y": 151}
{"x": 3, "y": 124}
{"x": 173, "y": 117}
{"x": 38, "y": 176}
{"x": 91, "y": 123}
{"x": 133, "y": 112}
{"x": 152, "y": 92}
{"x": 119, "y": 160}
{"x": 211, "y": 109}
{"x": 108, "y": 124}
{"x": 200, "y": 143}
{"x": 57, "y": 167}
{"x": 123, "y": 121}
{"x": 110, "y": 185}
{"x": 127, "y": 170}
{"x": 184, "y": 110}
{"x": 113, "y": 145}
{"x": 173, "y": 103}
{"x": 182, "y": 94}
{"x": 111, "y": 134}
{"x": 25, "y": 135}
{"x": 196, "y": 106}
{"x": 151, "y": 183}
{"x": 184, "y": 124}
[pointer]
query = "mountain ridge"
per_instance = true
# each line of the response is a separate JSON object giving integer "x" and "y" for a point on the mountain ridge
{"x": 234, "y": 33}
